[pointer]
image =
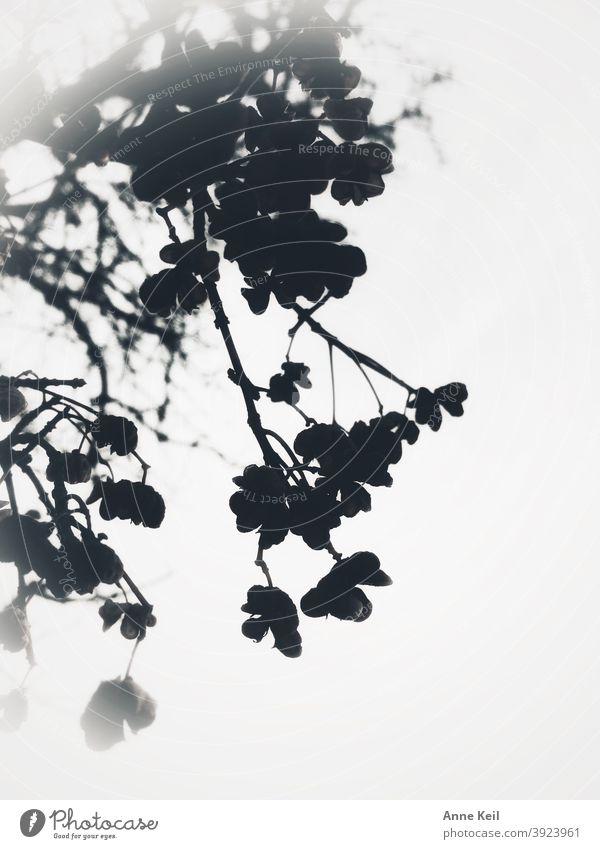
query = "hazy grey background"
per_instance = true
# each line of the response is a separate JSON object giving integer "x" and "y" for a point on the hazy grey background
{"x": 477, "y": 674}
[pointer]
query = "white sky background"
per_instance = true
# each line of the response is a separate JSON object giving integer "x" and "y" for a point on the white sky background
{"x": 477, "y": 674}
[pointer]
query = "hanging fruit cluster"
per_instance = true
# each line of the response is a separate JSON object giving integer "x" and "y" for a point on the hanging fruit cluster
{"x": 244, "y": 146}
{"x": 60, "y": 556}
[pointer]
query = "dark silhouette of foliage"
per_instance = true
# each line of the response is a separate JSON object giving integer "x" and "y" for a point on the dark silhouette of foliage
{"x": 115, "y": 704}
{"x": 272, "y": 609}
{"x": 260, "y": 206}
{"x": 62, "y": 556}
{"x": 14, "y": 710}
{"x": 337, "y": 594}
{"x": 89, "y": 286}
{"x": 238, "y": 142}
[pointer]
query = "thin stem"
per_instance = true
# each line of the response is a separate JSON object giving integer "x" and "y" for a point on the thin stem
{"x": 262, "y": 565}
{"x": 28, "y": 471}
{"x": 54, "y": 421}
{"x": 145, "y": 466}
{"x": 163, "y": 212}
{"x": 32, "y": 663}
{"x": 11, "y": 494}
{"x": 297, "y": 464}
{"x": 82, "y": 509}
{"x": 63, "y": 519}
{"x": 50, "y": 507}
{"x": 21, "y": 582}
{"x": 75, "y": 403}
{"x": 292, "y": 334}
{"x": 254, "y": 421}
{"x": 128, "y": 670}
{"x": 307, "y": 419}
{"x": 86, "y": 437}
{"x": 123, "y": 590}
{"x": 42, "y": 383}
{"x": 352, "y": 353}
{"x": 27, "y": 419}
{"x": 135, "y": 590}
{"x": 331, "y": 369}
{"x": 7, "y": 471}
{"x": 30, "y": 655}
{"x": 305, "y": 313}
{"x": 373, "y": 390}
{"x": 335, "y": 554}
{"x": 270, "y": 456}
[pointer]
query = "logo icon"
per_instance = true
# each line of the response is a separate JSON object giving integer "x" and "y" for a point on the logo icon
{"x": 32, "y": 822}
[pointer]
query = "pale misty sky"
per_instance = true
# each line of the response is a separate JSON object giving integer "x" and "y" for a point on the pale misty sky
{"x": 477, "y": 674}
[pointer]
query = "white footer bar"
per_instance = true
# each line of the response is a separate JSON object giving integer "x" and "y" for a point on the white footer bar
{"x": 303, "y": 824}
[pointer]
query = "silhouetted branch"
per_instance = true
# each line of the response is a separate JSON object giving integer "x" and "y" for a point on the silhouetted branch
{"x": 305, "y": 317}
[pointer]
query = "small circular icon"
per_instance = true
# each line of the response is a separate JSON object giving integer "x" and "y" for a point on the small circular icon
{"x": 32, "y": 822}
